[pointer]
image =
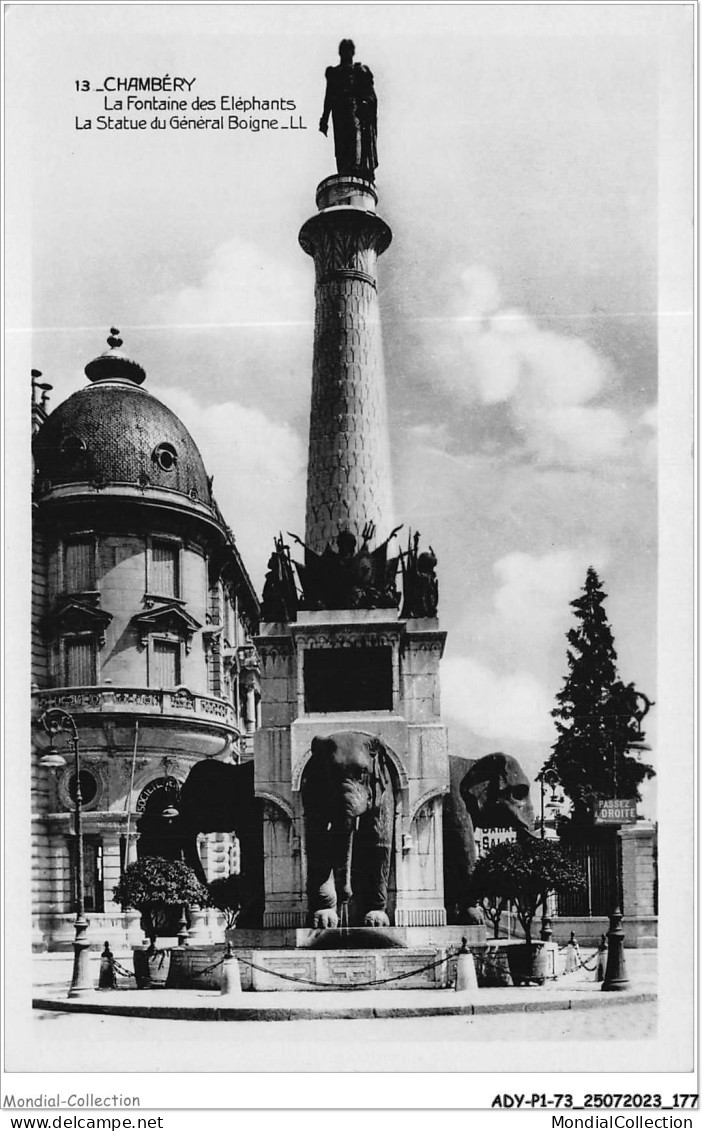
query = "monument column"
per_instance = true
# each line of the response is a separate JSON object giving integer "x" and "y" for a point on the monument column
{"x": 348, "y": 476}
{"x": 345, "y": 677}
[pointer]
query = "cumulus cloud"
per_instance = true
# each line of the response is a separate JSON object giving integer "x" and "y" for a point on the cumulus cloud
{"x": 258, "y": 467}
{"x": 510, "y": 696}
{"x": 240, "y": 286}
{"x": 244, "y": 324}
{"x": 550, "y": 382}
{"x": 493, "y": 705}
{"x": 531, "y": 608}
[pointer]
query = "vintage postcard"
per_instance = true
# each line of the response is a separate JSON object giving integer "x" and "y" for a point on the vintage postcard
{"x": 349, "y": 561}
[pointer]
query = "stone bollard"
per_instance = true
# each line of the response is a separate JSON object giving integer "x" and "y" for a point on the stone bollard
{"x": 572, "y": 962}
{"x": 466, "y": 980}
{"x": 108, "y": 978}
{"x": 615, "y": 979}
{"x": 183, "y": 932}
{"x": 231, "y": 976}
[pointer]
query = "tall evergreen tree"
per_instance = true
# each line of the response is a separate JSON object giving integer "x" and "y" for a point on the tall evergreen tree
{"x": 597, "y": 717}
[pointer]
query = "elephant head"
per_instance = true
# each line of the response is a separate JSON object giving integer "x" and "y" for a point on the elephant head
{"x": 496, "y": 794}
{"x": 490, "y": 793}
{"x": 347, "y": 796}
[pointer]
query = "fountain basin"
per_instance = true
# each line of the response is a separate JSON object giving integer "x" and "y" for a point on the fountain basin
{"x": 353, "y": 938}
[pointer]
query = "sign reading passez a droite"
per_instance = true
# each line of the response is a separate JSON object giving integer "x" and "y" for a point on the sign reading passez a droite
{"x": 615, "y": 812}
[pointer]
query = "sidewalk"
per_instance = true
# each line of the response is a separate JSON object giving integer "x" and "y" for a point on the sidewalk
{"x": 52, "y": 975}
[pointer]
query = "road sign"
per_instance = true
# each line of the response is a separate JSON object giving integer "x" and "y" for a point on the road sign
{"x": 615, "y": 811}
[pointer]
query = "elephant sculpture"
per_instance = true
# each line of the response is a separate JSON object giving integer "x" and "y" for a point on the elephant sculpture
{"x": 490, "y": 793}
{"x": 348, "y": 800}
{"x": 219, "y": 797}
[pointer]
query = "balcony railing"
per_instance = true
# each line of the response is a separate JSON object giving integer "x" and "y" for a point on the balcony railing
{"x": 176, "y": 703}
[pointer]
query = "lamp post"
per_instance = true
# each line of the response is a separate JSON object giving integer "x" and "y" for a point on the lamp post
{"x": 550, "y": 778}
{"x": 55, "y": 721}
{"x": 615, "y": 978}
{"x": 546, "y": 778}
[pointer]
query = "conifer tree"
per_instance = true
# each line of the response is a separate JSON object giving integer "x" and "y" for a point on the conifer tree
{"x": 597, "y": 717}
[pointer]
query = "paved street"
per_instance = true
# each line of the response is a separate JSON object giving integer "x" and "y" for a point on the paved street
{"x": 63, "y": 1041}
{"x": 618, "y": 1022}
{"x": 603, "y": 1035}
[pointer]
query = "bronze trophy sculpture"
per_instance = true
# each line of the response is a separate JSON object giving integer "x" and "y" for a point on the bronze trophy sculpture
{"x": 350, "y": 100}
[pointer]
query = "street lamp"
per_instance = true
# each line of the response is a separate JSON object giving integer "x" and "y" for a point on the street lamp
{"x": 55, "y": 721}
{"x": 547, "y": 778}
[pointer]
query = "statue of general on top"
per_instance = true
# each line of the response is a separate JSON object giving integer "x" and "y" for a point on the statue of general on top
{"x": 350, "y": 100}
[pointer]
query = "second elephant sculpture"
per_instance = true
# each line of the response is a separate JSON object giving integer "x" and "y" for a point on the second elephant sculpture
{"x": 490, "y": 793}
{"x": 349, "y": 807}
{"x": 219, "y": 797}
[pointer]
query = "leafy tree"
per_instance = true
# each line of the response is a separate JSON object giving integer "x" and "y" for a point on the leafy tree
{"x": 155, "y": 887}
{"x": 597, "y": 717}
{"x": 225, "y": 895}
{"x": 524, "y": 873}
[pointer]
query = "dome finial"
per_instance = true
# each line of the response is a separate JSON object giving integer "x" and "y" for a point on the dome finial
{"x": 113, "y": 365}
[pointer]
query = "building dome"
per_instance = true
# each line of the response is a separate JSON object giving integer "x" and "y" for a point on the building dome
{"x": 114, "y": 432}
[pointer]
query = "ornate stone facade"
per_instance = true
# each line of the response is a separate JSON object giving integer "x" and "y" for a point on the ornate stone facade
{"x": 142, "y": 620}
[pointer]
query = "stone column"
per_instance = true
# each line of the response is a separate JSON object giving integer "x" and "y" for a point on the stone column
{"x": 131, "y": 853}
{"x": 348, "y": 476}
{"x": 639, "y": 883}
{"x": 111, "y": 866}
{"x": 250, "y": 709}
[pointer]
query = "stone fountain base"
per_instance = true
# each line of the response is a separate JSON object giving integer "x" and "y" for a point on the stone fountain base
{"x": 322, "y": 959}
{"x": 422, "y": 967}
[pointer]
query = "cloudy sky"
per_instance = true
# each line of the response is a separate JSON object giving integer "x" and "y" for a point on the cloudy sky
{"x": 520, "y": 173}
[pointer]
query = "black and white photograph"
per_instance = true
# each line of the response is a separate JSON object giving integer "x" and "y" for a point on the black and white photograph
{"x": 348, "y": 540}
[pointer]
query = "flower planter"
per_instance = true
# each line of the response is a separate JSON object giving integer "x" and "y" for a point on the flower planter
{"x": 151, "y": 967}
{"x": 493, "y": 966}
{"x": 530, "y": 964}
{"x": 196, "y": 968}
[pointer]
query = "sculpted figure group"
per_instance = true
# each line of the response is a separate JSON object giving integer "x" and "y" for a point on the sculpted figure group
{"x": 347, "y": 578}
{"x": 351, "y": 578}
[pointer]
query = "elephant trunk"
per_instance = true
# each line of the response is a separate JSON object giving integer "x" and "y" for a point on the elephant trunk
{"x": 342, "y": 871}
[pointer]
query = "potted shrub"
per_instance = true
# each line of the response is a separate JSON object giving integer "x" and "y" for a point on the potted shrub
{"x": 524, "y": 873}
{"x": 225, "y": 895}
{"x": 156, "y": 888}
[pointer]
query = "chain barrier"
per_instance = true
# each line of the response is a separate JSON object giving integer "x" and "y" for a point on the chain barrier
{"x": 589, "y": 965}
{"x": 584, "y": 964}
{"x": 594, "y": 960}
{"x": 209, "y": 969}
{"x": 119, "y": 969}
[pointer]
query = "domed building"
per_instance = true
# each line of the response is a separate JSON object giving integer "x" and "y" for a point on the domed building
{"x": 142, "y": 623}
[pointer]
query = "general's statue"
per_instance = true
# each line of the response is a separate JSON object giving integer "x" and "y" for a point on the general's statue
{"x": 351, "y": 101}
